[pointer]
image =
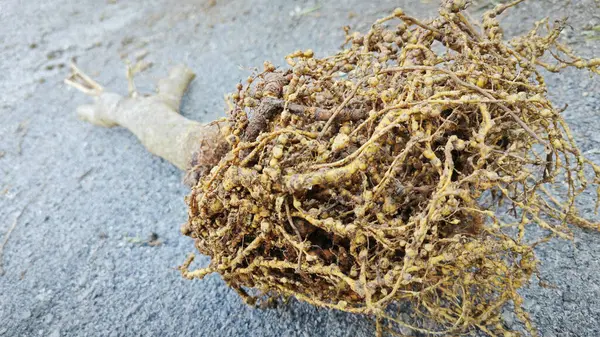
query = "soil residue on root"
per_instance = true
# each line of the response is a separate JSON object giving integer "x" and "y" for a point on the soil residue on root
{"x": 380, "y": 174}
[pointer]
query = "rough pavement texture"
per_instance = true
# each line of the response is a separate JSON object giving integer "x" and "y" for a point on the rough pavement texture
{"x": 74, "y": 263}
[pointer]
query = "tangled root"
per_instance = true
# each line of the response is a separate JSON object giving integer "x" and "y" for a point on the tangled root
{"x": 405, "y": 168}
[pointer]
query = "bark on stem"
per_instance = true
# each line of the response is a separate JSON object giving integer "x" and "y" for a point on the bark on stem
{"x": 155, "y": 120}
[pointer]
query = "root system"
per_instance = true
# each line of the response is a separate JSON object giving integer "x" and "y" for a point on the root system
{"x": 406, "y": 168}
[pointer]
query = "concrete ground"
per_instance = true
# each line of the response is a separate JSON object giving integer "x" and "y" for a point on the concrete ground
{"x": 77, "y": 263}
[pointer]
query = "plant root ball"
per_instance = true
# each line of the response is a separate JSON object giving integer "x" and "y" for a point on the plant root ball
{"x": 393, "y": 171}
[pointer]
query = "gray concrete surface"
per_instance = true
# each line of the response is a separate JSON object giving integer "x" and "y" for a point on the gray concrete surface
{"x": 74, "y": 266}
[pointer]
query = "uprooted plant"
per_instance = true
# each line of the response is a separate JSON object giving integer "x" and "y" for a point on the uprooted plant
{"x": 380, "y": 174}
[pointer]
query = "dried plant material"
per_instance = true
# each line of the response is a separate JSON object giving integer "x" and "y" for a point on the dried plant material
{"x": 21, "y": 131}
{"x": 7, "y": 236}
{"x": 382, "y": 174}
{"x": 152, "y": 240}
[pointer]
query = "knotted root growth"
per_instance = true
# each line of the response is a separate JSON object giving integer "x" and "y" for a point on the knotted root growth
{"x": 407, "y": 167}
